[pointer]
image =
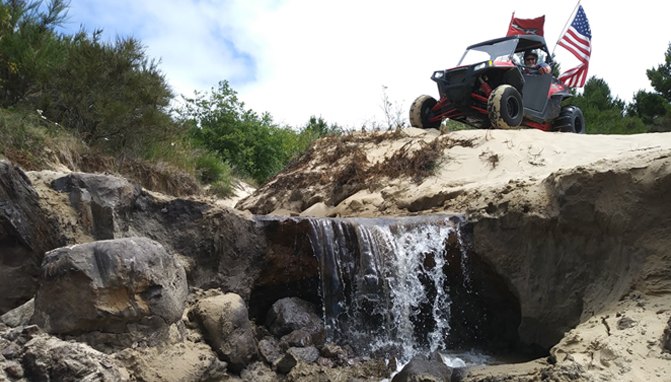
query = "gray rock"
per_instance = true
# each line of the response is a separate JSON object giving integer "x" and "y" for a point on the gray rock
{"x": 227, "y": 328}
{"x": 269, "y": 349}
{"x": 107, "y": 285}
{"x": 20, "y": 315}
{"x": 423, "y": 369}
{"x": 295, "y": 355}
{"x": 26, "y": 232}
{"x": 100, "y": 201}
{"x": 292, "y": 313}
{"x": 40, "y": 357}
{"x": 308, "y": 354}
{"x": 313, "y": 335}
{"x": 666, "y": 338}
{"x": 625, "y": 323}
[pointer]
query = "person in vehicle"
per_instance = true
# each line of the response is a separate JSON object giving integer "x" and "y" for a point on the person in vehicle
{"x": 531, "y": 62}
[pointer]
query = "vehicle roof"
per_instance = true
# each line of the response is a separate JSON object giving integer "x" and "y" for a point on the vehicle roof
{"x": 526, "y": 41}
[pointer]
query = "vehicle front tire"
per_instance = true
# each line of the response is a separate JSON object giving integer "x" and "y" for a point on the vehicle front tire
{"x": 420, "y": 112}
{"x": 570, "y": 120}
{"x": 505, "y": 107}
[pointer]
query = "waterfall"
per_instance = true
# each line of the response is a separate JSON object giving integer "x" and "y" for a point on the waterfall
{"x": 383, "y": 281}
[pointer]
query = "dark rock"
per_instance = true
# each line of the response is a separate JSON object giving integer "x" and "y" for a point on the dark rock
{"x": 107, "y": 285}
{"x": 313, "y": 335}
{"x": 666, "y": 337}
{"x": 101, "y": 201}
{"x": 227, "y": 329}
{"x": 423, "y": 369}
{"x": 224, "y": 247}
{"x": 14, "y": 370}
{"x": 41, "y": 357}
{"x": 292, "y": 313}
{"x": 284, "y": 364}
{"x": 26, "y": 232}
{"x": 296, "y": 355}
{"x": 625, "y": 323}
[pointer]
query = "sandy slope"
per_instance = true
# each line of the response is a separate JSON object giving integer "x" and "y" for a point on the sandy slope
{"x": 477, "y": 172}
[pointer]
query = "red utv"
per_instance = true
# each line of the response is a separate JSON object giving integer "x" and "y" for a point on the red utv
{"x": 491, "y": 88}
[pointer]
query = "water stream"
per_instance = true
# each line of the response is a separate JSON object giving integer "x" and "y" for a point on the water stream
{"x": 384, "y": 281}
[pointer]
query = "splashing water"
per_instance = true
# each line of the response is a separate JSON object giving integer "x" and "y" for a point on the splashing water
{"x": 383, "y": 281}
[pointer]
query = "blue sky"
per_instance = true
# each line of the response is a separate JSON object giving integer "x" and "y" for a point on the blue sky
{"x": 297, "y": 58}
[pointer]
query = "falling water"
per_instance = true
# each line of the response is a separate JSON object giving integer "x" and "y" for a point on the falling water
{"x": 383, "y": 281}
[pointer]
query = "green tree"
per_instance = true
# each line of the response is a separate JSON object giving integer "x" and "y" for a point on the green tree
{"x": 254, "y": 145}
{"x": 29, "y": 47}
{"x": 660, "y": 77}
{"x": 604, "y": 114}
{"x": 112, "y": 95}
{"x": 317, "y": 127}
{"x": 654, "y": 108}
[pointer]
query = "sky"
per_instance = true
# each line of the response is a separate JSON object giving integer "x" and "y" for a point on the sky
{"x": 339, "y": 59}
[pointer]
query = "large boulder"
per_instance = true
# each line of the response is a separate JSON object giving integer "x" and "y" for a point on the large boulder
{"x": 102, "y": 201}
{"x": 227, "y": 328}
{"x": 26, "y": 232}
{"x": 107, "y": 285}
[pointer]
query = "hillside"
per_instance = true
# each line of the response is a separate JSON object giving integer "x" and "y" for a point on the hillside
{"x": 578, "y": 225}
{"x": 569, "y": 239}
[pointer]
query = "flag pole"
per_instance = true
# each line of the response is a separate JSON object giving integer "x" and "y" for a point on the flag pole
{"x": 566, "y": 26}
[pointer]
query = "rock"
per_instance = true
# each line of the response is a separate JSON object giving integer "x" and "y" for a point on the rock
{"x": 666, "y": 338}
{"x": 19, "y": 316}
{"x": 269, "y": 349}
{"x": 625, "y": 323}
{"x": 26, "y": 232}
{"x": 40, "y": 357}
{"x": 292, "y": 313}
{"x": 313, "y": 335}
{"x": 227, "y": 329}
{"x": 100, "y": 200}
{"x": 224, "y": 247}
{"x": 423, "y": 369}
{"x": 293, "y": 356}
{"x": 318, "y": 209}
{"x": 258, "y": 372}
{"x": 107, "y": 285}
{"x": 181, "y": 361}
{"x": 308, "y": 354}
{"x": 334, "y": 352}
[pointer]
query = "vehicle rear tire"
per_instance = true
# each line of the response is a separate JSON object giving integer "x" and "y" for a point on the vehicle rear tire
{"x": 570, "y": 120}
{"x": 505, "y": 107}
{"x": 420, "y": 112}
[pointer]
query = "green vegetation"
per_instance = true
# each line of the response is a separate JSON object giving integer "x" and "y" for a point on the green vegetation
{"x": 69, "y": 98}
{"x": 253, "y": 144}
{"x": 603, "y": 113}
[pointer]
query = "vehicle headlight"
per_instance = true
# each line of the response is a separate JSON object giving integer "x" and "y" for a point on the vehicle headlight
{"x": 438, "y": 74}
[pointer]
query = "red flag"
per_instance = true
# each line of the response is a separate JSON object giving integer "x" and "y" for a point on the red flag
{"x": 526, "y": 26}
{"x": 577, "y": 40}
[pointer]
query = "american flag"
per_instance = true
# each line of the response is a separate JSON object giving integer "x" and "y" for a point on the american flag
{"x": 577, "y": 40}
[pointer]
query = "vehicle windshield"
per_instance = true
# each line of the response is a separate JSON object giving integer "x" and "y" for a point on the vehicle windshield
{"x": 500, "y": 51}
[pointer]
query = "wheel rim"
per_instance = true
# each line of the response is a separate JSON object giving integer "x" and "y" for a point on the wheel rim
{"x": 512, "y": 107}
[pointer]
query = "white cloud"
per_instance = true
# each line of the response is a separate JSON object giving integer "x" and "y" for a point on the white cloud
{"x": 297, "y": 58}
